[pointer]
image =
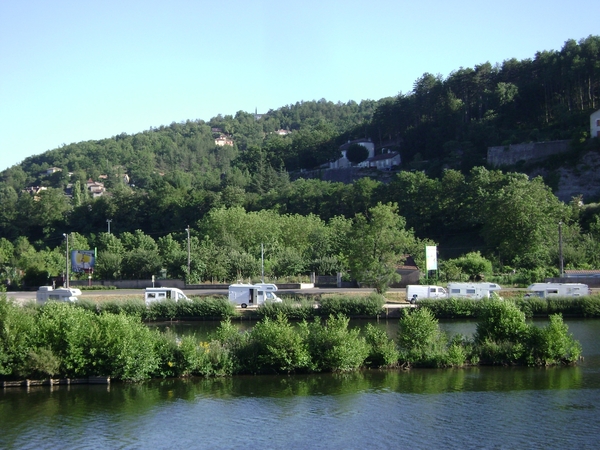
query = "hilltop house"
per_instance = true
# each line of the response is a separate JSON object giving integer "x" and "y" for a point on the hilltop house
{"x": 96, "y": 188}
{"x": 385, "y": 161}
{"x": 344, "y": 162}
{"x": 223, "y": 140}
{"x": 51, "y": 170}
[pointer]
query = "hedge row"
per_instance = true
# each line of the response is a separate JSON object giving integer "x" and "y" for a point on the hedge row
{"x": 459, "y": 308}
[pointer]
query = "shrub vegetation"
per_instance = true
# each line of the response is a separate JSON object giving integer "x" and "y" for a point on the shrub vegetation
{"x": 66, "y": 340}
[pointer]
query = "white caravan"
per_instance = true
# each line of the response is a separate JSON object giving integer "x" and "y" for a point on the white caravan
{"x": 245, "y": 295}
{"x": 544, "y": 290}
{"x": 62, "y": 294}
{"x": 415, "y": 292}
{"x": 163, "y": 293}
{"x": 472, "y": 290}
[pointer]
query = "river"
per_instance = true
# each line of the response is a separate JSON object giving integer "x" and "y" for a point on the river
{"x": 450, "y": 408}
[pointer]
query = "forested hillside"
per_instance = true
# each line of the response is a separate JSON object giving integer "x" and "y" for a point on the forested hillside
{"x": 158, "y": 182}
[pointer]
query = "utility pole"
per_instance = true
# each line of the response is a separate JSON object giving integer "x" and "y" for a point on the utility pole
{"x": 262, "y": 263}
{"x": 66, "y": 235}
{"x": 189, "y": 248}
{"x": 108, "y": 221}
{"x": 560, "y": 250}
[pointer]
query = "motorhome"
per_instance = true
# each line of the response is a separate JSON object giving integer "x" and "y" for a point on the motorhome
{"x": 472, "y": 290}
{"x": 415, "y": 292}
{"x": 544, "y": 290}
{"x": 62, "y": 294}
{"x": 246, "y": 295}
{"x": 163, "y": 293}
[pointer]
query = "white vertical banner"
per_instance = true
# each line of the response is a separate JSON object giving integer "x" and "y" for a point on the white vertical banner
{"x": 430, "y": 257}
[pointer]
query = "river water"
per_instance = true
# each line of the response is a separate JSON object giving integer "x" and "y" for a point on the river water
{"x": 451, "y": 408}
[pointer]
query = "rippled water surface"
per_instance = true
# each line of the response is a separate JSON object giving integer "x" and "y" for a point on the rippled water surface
{"x": 470, "y": 408}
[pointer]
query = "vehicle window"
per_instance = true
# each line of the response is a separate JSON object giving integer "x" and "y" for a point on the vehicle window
{"x": 151, "y": 295}
{"x": 455, "y": 291}
{"x": 432, "y": 289}
{"x": 470, "y": 291}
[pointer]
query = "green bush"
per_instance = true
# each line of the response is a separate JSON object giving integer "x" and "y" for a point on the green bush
{"x": 420, "y": 340}
{"x": 382, "y": 349}
{"x": 552, "y": 344}
{"x": 123, "y": 347}
{"x": 17, "y": 333}
{"x": 217, "y": 360}
{"x": 68, "y": 330}
{"x": 292, "y": 310}
{"x": 349, "y": 305}
{"x": 532, "y": 306}
{"x": 501, "y": 320}
{"x": 333, "y": 347}
{"x": 206, "y": 308}
{"x": 278, "y": 347}
{"x": 452, "y": 308}
{"x": 164, "y": 309}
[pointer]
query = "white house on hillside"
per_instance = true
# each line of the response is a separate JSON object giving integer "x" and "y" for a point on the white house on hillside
{"x": 595, "y": 124}
{"x": 343, "y": 162}
{"x": 385, "y": 161}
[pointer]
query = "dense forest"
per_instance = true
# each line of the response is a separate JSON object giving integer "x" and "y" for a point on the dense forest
{"x": 249, "y": 191}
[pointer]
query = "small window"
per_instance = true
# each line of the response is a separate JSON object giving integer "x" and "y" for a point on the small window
{"x": 598, "y": 122}
{"x": 455, "y": 291}
{"x": 151, "y": 295}
{"x": 432, "y": 289}
{"x": 470, "y": 291}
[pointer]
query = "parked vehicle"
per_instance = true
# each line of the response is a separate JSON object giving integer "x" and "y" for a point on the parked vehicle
{"x": 163, "y": 293}
{"x": 62, "y": 294}
{"x": 472, "y": 290}
{"x": 415, "y": 292}
{"x": 245, "y": 295}
{"x": 544, "y": 290}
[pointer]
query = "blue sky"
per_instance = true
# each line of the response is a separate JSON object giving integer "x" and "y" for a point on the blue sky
{"x": 71, "y": 71}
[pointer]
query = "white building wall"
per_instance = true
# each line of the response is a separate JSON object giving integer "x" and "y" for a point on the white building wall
{"x": 595, "y": 124}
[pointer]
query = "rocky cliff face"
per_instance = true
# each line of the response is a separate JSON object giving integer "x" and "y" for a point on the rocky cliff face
{"x": 581, "y": 180}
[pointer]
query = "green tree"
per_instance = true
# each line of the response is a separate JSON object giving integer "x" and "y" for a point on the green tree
{"x": 377, "y": 245}
{"x": 357, "y": 153}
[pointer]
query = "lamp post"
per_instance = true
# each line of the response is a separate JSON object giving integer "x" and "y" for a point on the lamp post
{"x": 560, "y": 250}
{"x": 108, "y": 221}
{"x": 189, "y": 258}
{"x": 66, "y": 235}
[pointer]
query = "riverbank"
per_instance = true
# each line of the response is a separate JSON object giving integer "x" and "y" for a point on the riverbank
{"x": 61, "y": 340}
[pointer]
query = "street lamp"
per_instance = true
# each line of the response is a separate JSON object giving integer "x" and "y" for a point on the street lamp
{"x": 66, "y": 235}
{"x": 108, "y": 221}
{"x": 188, "y": 242}
{"x": 560, "y": 250}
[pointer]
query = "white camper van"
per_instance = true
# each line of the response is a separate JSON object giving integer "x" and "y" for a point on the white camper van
{"x": 472, "y": 290}
{"x": 544, "y": 290}
{"x": 62, "y": 294}
{"x": 163, "y": 293}
{"x": 415, "y": 292}
{"x": 245, "y": 295}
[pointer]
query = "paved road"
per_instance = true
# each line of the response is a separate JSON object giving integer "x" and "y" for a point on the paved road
{"x": 30, "y": 295}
